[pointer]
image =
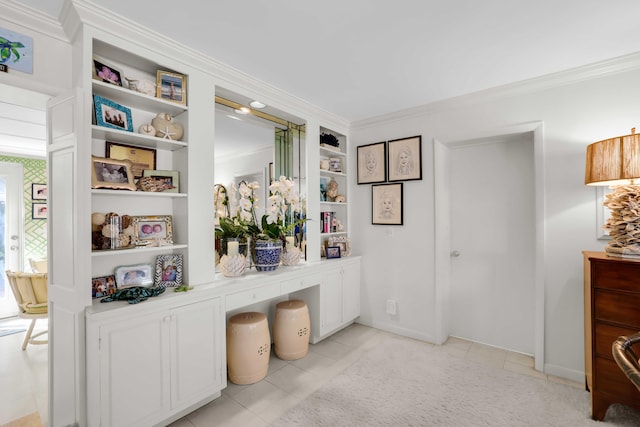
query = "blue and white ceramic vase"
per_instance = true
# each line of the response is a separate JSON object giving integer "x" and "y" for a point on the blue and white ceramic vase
{"x": 267, "y": 254}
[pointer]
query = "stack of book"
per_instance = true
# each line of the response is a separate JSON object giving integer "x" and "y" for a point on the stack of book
{"x": 328, "y": 222}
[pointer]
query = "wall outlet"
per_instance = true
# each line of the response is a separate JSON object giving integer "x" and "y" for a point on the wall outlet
{"x": 391, "y": 307}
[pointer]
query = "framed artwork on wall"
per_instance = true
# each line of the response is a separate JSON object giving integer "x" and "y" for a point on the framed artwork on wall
{"x": 386, "y": 204}
{"x": 38, "y": 211}
{"x": 372, "y": 164}
{"x": 405, "y": 159}
{"x": 38, "y": 191}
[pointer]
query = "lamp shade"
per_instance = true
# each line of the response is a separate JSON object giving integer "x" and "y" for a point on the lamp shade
{"x": 614, "y": 161}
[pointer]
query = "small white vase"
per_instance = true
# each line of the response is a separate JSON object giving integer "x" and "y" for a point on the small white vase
{"x": 233, "y": 266}
{"x": 291, "y": 256}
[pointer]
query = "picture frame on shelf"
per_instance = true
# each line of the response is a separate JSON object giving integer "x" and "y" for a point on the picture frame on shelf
{"x": 169, "y": 178}
{"x": 152, "y": 229}
{"x": 106, "y": 73}
{"x": 38, "y": 191}
{"x": 323, "y": 188}
{"x": 111, "y": 174}
{"x": 341, "y": 241}
{"x": 112, "y": 115}
{"x": 386, "y": 204}
{"x": 134, "y": 275}
{"x": 103, "y": 286}
{"x": 168, "y": 270}
{"x": 372, "y": 163}
{"x": 332, "y": 252}
{"x": 38, "y": 211}
{"x": 335, "y": 164}
{"x": 141, "y": 158}
{"x": 172, "y": 87}
{"x": 404, "y": 160}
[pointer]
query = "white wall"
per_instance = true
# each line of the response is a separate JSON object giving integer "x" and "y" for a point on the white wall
{"x": 398, "y": 263}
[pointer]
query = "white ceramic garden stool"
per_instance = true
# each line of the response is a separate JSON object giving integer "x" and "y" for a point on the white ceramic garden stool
{"x": 291, "y": 330}
{"x": 248, "y": 347}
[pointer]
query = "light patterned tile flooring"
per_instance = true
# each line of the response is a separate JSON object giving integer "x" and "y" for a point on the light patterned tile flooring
{"x": 23, "y": 376}
{"x": 288, "y": 383}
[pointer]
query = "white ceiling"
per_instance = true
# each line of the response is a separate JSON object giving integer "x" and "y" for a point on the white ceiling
{"x": 363, "y": 58}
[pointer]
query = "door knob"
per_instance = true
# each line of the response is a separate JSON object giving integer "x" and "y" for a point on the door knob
{"x": 455, "y": 254}
{"x": 14, "y": 247}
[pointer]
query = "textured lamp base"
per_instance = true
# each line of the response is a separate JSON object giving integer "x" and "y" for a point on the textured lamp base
{"x": 624, "y": 222}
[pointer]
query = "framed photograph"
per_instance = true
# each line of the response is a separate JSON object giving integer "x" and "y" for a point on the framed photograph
{"x": 168, "y": 270}
{"x": 106, "y": 73}
{"x": 38, "y": 211}
{"x": 172, "y": 87}
{"x": 112, "y": 115}
{"x": 341, "y": 241}
{"x": 134, "y": 275}
{"x": 333, "y": 252}
{"x": 372, "y": 163}
{"x": 170, "y": 179}
{"x": 141, "y": 158}
{"x": 386, "y": 204}
{"x": 335, "y": 164}
{"x": 148, "y": 229}
{"x": 103, "y": 286}
{"x": 111, "y": 173}
{"x": 405, "y": 159}
{"x": 39, "y": 191}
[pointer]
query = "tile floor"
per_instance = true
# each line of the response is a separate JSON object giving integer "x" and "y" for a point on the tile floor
{"x": 23, "y": 378}
{"x": 288, "y": 383}
{"x": 23, "y": 374}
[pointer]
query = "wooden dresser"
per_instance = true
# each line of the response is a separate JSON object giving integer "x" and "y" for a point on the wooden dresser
{"x": 611, "y": 309}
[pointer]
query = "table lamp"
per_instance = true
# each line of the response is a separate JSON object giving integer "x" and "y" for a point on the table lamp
{"x": 615, "y": 162}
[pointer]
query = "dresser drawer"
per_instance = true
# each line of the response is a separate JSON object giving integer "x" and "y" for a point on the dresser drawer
{"x": 618, "y": 307}
{"x": 610, "y": 379}
{"x": 252, "y": 296}
{"x": 622, "y": 276}
{"x": 605, "y": 336}
{"x": 293, "y": 285}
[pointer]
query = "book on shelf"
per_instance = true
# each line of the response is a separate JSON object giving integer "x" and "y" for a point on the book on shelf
{"x": 328, "y": 222}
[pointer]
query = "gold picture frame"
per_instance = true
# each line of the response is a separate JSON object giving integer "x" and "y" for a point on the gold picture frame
{"x": 141, "y": 158}
{"x": 150, "y": 229}
{"x": 112, "y": 174}
{"x": 172, "y": 87}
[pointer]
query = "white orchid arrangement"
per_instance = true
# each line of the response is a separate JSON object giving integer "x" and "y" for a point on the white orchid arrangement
{"x": 283, "y": 202}
{"x": 235, "y": 211}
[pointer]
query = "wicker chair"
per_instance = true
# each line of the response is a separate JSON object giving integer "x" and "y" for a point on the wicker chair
{"x": 31, "y": 294}
{"x": 626, "y": 357}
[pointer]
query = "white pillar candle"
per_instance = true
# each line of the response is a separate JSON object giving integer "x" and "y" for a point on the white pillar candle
{"x": 290, "y": 242}
{"x": 232, "y": 248}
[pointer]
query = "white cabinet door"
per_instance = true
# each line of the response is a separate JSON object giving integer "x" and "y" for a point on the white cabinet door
{"x": 350, "y": 292}
{"x": 134, "y": 371}
{"x": 196, "y": 352}
{"x": 331, "y": 301}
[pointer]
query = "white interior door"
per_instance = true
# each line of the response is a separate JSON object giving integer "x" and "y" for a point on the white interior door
{"x": 11, "y": 233}
{"x": 492, "y": 290}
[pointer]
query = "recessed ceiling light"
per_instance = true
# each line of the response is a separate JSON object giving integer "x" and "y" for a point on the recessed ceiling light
{"x": 243, "y": 110}
{"x": 257, "y": 104}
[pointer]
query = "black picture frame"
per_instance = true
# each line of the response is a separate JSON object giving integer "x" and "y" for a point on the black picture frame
{"x": 372, "y": 163}
{"x": 387, "y": 204}
{"x": 332, "y": 252}
{"x": 107, "y": 73}
{"x": 38, "y": 191}
{"x": 404, "y": 159}
{"x": 38, "y": 211}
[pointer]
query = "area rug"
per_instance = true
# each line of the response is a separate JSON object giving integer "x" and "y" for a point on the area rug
{"x": 5, "y": 332}
{"x": 403, "y": 382}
